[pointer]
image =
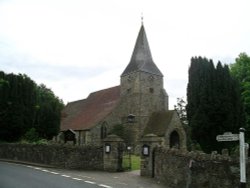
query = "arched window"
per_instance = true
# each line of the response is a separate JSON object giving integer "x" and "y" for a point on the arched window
{"x": 104, "y": 130}
{"x": 174, "y": 140}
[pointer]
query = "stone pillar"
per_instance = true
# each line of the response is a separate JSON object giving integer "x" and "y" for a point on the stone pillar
{"x": 149, "y": 143}
{"x": 113, "y": 148}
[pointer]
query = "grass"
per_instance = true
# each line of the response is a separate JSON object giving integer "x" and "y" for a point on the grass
{"x": 135, "y": 162}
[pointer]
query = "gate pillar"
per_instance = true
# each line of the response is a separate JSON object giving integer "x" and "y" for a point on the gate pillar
{"x": 113, "y": 153}
{"x": 149, "y": 143}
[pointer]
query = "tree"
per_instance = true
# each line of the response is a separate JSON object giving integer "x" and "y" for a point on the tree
{"x": 241, "y": 71}
{"x": 17, "y": 98}
{"x": 24, "y": 105}
{"x": 214, "y": 104}
{"x": 48, "y": 112}
{"x": 124, "y": 131}
{"x": 180, "y": 108}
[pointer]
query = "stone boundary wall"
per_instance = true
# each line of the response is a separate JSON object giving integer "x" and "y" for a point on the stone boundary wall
{"x": 183, "y": 169}
{"x": 63, "y": 156}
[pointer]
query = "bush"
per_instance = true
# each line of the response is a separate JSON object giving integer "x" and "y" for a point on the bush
{"x": 31, "y": 135}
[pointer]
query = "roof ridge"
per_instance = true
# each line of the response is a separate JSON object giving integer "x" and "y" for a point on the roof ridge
{"x": 104, "y": 90}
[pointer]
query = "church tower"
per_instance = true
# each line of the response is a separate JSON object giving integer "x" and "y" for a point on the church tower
{"x": 142, "y": 91}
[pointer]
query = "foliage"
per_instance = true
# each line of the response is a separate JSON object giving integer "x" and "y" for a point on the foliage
{"x": 42, "y": 142}
{"x": 241, "y": 71}
{"x": 181, "y": 110}
{"x": 118, "y": 130}
{"x": 31, "y": 135}
{"x": 214, "y": 104}
{"x": 124, "y": 131}
{"x": 24, "y": 105}
{"x": 48, "y": 112}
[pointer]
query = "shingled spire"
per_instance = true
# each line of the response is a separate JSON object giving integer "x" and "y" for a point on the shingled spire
{"x": 141, "y": 59}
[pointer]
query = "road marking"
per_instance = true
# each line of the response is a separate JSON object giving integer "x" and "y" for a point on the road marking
{"x": 53, "y": 172}
{"x": 91, "y": 182}
{"x": 78, "y": 179}
{"x": 106, "y": 186}
{"x": 65, "y": 175}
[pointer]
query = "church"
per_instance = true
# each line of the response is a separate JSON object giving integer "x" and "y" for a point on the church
{"x": 139, "y": 105}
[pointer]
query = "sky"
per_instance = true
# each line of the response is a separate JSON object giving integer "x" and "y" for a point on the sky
{"x": 76, "y": 47}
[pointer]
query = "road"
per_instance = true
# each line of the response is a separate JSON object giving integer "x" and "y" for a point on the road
{"x": 26, "y": 176}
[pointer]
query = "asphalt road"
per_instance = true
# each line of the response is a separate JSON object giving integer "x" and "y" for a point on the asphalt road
{"x": 27, "y": 176}
{"x": 24, "y": 176}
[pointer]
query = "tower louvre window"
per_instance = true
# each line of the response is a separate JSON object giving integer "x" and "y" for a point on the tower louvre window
{"x": 151, "y": 90}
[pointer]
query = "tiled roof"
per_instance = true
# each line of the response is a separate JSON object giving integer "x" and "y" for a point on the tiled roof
{"x": 141, "y": 59}
{"x": 86, "y": 113}
{"x": 159, "y": 122}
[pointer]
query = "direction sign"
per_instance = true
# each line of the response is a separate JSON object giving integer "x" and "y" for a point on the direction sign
{"x": 227, "y": 136}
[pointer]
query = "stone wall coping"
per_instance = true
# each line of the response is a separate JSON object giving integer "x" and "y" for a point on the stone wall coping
{"x": 197, "y": 155}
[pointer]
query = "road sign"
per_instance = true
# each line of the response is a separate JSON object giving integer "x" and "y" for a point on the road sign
{"x": 227, "y": 136}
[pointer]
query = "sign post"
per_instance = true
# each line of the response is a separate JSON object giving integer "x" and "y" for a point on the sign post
{"x": 242, "y": 159}
{"x": 228, "y": 136}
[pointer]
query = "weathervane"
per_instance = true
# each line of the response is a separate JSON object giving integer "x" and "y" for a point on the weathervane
{"x": 142, "y": 18}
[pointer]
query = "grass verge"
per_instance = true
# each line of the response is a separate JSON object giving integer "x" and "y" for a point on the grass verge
{"x": 135, "y": 162}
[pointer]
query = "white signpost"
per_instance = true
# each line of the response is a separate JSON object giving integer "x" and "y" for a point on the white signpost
{"x": 228, "y": 136}
{"x": 242, "y": 159}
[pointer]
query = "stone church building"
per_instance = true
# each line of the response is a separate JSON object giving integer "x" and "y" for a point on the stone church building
{"x": 139, "y": 104}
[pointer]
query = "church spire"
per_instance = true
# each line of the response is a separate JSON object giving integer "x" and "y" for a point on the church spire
{"x": 141, "y": 59}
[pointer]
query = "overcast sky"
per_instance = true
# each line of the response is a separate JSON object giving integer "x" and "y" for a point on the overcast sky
{"x": 76, "y": 47}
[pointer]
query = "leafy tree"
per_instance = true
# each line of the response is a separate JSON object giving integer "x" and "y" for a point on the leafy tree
{"x": 214, "y": 104}
{"x": 180, "y": 108}
{"x": 124, "y": 131}
{"x": 48, "y": 112}
{"x": 241, "y": 71}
